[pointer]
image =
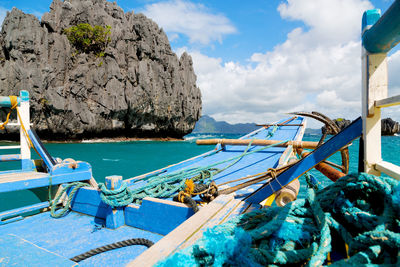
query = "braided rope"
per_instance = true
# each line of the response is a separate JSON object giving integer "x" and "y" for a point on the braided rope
{"x": 120, "y": 244}
{"x": 119, "y": 197}
{"x": 363, "y": 210}
{"x": 64, "y": 210}
{"x": 164, "y": 186}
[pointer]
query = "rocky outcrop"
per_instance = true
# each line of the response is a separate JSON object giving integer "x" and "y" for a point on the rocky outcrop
{"x": 388, "y": 126}
{"x": 139, "y": 88}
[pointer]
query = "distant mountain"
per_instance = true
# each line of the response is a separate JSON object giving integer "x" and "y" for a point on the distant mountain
{"x": 206, "y": 124}
{"x": 312, "y": 131}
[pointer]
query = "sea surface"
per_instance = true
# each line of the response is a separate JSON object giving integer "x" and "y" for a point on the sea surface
{"x": 130, "y": 159}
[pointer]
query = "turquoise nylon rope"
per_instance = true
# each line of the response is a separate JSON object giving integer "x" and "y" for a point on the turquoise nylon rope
{"x": 165, "y": 186}
{"x": 118, "y": 197}
{"x": 64, "y": 210}
{"x": 363, "y": 209}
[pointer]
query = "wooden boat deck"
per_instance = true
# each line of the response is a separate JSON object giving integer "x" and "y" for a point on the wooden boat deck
{"x": 22, "y": 180}
{"x": 67, "y": 237}
{"x": 21, "y": 176}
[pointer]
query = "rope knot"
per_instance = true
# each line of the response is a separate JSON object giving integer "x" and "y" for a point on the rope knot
{"x": 116, "y": 198}
{"x": 189, "y": 186}
{"x": 272, "y": 171}
{"x": 210, "y": 193}
{"x": 14, "y": 104}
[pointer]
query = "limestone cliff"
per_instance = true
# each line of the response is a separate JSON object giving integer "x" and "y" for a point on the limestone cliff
{"x": 138, "y": 88}
{"x": 388, "y": 126}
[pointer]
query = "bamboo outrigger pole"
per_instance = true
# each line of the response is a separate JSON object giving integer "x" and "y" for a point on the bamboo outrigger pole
{"x": 258, "y": 142}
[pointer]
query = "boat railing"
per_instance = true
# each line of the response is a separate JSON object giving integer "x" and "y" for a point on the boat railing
{"x": 23, "y": 122}
{"x": 379, "y": 35}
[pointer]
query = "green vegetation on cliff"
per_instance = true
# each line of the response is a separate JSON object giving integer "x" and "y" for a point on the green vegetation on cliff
{"x": 86, "y": 38}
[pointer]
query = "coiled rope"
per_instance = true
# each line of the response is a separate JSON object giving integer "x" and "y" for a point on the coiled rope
{"x": 165, "y": 186}
{"x": 361, "y": 211}
{"x": 207, "y": 193}
{"x": 118, "y": 197}
{"x": 14, "y": 104}
{"x": 120, "y": 244}
{"x": 71, "y": 195}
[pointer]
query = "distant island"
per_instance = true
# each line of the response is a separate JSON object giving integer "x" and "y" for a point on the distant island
{"x": 388, "y": 126}
{"x": 207, "y": 124}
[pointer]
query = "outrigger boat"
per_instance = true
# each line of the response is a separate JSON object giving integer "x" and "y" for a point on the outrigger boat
{"x": 145, "y": 219}
{"x": 229, "y": 176}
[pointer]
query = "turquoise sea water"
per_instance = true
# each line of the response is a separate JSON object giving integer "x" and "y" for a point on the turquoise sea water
{"x": 130, "y": 159}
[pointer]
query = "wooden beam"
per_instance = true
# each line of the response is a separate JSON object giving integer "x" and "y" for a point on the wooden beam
{"x": 24, "y": 119}
{"x": 171, "y": 242}
{"x": 347, "y": 135}
{"x": 258, "y": 142}
{"x": 10, "y": 147}
{"x": 388, "y": 168}
{"x": 388, "y": 102}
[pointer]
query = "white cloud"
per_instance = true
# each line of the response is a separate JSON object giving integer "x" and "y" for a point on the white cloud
{"x": 190, "y": 19}
{"x": 3, "y": 13}
{"x": 316, "y": 68}
{"x": 394, "y": 85}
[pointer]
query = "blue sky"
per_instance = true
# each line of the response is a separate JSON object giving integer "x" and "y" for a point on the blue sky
{"x": 256, "y": 60}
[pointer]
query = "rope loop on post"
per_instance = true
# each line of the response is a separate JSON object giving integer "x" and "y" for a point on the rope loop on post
{"x": 118, "y": 197}
{"x": 14, "y": 104}
{"x": 64, "y": 210}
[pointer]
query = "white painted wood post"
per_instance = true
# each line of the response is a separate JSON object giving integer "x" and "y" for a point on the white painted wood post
{"x": 26, "y": 163}
{"x": 374, "y": 87}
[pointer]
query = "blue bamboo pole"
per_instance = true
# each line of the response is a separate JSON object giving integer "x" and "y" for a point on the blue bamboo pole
{"x": 5, "y": 101}
{"x": 381, "y": 34}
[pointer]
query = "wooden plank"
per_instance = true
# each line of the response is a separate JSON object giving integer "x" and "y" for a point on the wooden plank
{"x": 258, "y": 142}
{"x": 167, "y": 245}
{"x": 388, "y": 168}
{"x": 289, "y": 150}
{"x": 374, "y": 87}
{"x": 24, "y": 118}
{"x": 223, "y": 215}
{"x": 353, "y": 131}
{"x": 25, "y": 180}
{"x": 388, "y": 102}
{"x": 21, "y": 176}
{"x": 10, "y": 157}
{"x": 16, "y": 214}
{"x": 10, "y": 147}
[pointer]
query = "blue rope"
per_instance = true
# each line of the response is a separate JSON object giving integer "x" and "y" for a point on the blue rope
{"x": 118, "y": 197}
{"x": 364, "y": 210}
{"x": 64, "y": 210}
{"x": 164, "y": 186}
